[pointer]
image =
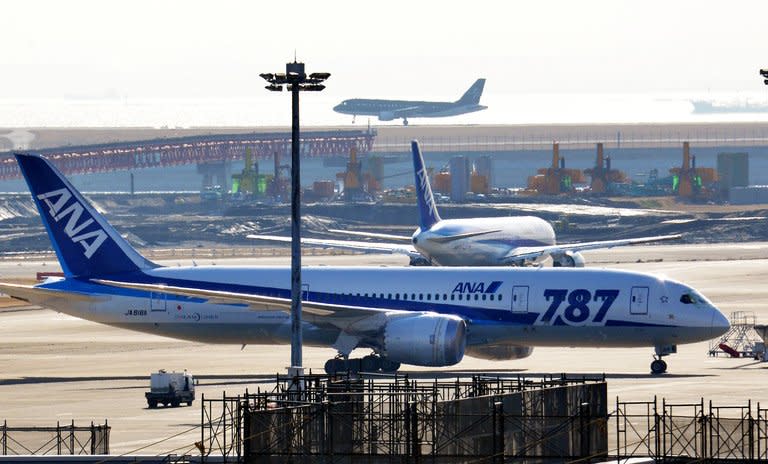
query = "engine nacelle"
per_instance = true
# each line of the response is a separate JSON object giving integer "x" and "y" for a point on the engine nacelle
{"x": 568, "y": 259}
{"x": 386, "y": 116}
{"x": 425, "y": 339}
{"x": 499, "y": 352}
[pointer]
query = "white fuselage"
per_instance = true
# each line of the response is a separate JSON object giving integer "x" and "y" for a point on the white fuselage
{"x": 514, "y": 306}
{"x": 489, "y": 249}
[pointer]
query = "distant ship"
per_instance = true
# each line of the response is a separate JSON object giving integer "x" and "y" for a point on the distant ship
{"x": 705, "y": 106}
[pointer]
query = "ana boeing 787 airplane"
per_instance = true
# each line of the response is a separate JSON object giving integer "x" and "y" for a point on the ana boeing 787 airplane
{"x": 387, "y": 110}
{"x": 492, "y": 241}
{"x": 429, "y": 316}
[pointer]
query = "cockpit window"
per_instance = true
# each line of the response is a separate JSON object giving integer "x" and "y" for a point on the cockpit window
{"x": 687, "y": 298}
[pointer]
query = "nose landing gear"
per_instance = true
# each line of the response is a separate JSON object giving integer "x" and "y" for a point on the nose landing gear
{"x": 659, "y": 366}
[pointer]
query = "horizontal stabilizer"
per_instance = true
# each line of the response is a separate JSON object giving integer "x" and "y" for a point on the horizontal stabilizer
{"x": 48, "y": 297}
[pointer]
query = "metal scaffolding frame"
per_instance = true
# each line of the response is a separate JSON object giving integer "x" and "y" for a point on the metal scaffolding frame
{"x": 66, "y": 439}
{"x": 391, "y": 419}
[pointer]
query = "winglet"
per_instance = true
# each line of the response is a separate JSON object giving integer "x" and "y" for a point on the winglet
{"x": 427, "y": 209}
{"x": 85, "y": 243}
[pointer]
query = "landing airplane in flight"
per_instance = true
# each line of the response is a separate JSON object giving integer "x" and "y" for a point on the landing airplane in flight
{"x": 421, "y": 316}
{"x": 388, "y": 110}
{"x": 494, "y": 241}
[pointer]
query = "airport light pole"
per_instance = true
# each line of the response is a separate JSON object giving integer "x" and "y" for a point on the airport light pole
{"x": 295, "y": 80}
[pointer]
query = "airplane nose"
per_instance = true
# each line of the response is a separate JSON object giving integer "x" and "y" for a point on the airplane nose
{"x": 720, "y": 323}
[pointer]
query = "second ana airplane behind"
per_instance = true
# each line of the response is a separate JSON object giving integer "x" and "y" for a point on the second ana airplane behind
{"x": 490, "y": 241}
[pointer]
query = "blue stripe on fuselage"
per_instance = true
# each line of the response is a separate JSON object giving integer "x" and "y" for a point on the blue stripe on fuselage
{"x": 473, "y": 314}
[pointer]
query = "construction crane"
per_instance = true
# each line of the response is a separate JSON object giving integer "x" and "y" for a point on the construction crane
{"x": 602, "y": 176}
{"x": 688, "y": 181}
{"x": 555, "y": 179}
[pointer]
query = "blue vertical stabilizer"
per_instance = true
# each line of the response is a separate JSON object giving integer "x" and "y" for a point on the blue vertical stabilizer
{"x": 427, "y": 210}
{"x": 85, "y": 243}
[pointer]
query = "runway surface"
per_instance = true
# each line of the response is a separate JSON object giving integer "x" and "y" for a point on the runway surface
{"x": 55, "y": 367}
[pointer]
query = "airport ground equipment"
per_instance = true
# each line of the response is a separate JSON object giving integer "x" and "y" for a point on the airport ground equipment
{"x": 745, "y": 338}
{"x": 170, "y": 389}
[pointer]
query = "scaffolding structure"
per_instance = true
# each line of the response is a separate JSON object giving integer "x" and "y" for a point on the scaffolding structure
{"x": 685, "y": 432}
{"x": 67, "y": 439}
{"x": 396, "y": 419}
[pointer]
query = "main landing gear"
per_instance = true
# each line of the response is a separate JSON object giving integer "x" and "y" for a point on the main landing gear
{"x": 371, "y": 363}
{"x": 658, "y": 365}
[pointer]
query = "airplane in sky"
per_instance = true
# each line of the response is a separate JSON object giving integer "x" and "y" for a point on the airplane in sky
{"x": 493, "y": 241}
{"x": 430, "y": 316}
{"x": 388, "y": 110}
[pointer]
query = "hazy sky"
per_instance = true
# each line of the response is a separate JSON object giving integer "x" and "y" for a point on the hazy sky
{"x": 393, "y": 48}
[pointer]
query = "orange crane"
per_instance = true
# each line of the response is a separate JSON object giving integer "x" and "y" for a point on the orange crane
{"x": 602, "y": 176}
{"x": 688, "y": 181}
{"x": 555, "y": 179}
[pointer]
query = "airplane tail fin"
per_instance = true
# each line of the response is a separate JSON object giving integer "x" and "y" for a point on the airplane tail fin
{"x": 427, "y": 209}
{"x": 473, "y": 94}
{"x": 85, "y": 243}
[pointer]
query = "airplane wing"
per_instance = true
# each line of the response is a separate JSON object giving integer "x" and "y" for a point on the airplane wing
{"x": 451, "y": 238}
{"x": 400, "y": 238}
{"x": 368, "y": 247}
{"x": 348, "y": 318}
{"x": 526, "y": 253}
{"x": 407, "y": 111}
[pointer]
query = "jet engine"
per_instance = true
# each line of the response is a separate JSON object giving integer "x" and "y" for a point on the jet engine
{"x": 499, "y": 352}
{"x": 386, "y": 116}
{"x": 425, "y": 339}
{"x": 568, "y": 259}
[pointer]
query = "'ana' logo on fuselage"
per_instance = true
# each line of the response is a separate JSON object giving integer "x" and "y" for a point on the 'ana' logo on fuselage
{"x": 477, "y": 287}
{"x": 59, "y": 207}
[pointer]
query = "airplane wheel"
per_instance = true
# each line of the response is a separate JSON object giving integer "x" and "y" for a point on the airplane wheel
{"x": 370, "y": 363}
{"x": 405, "y": 122}
{"x": 333, "y": 366}
{"x": 658, "y": 366}
{"x": 389, "y": 367}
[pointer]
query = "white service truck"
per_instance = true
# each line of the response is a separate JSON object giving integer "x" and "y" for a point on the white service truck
{"x": 170, "y": 389}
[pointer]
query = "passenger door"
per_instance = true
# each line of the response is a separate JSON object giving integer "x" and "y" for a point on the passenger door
{"x": 520, "y": 299}
{"x": 157, "y": 302}
{"x": 638, "y": 303}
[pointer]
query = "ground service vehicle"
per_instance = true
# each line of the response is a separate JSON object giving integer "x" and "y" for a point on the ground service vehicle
{"x": 170, "y": 389}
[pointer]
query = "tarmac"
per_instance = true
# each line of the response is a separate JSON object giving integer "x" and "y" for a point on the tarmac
{"x": 55, "y": 367}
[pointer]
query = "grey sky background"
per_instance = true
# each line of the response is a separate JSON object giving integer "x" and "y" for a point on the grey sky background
{"x": 409, "y": 49}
